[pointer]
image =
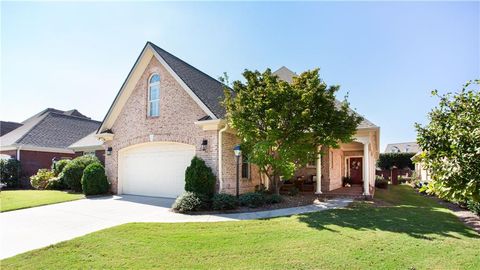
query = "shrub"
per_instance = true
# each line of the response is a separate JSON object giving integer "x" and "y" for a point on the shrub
{"x": 252, "y": 199}
{"x": 56, "y": 183}
{"x": 57, "y": 167}
{"x": 10, "y": 172}
{"x": 224, "y": 201}
{"x": 474, "y": 207}
{"x": 188, "y": 202}
{"x": 73, "y": 171}
{"x": 260, "y": 188}
{"x": 381, "y": 183}
{"x": 199, "y": 178}
{"x": 41, "y": 178}
{"x": 94, "y": 180}
{"x": 274, "y": 198}
{"x": 293, "y": 191}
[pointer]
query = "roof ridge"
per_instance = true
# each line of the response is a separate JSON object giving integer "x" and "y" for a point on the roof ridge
{"x": 73, "y": 116}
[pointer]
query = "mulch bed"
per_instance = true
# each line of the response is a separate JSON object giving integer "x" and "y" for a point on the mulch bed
{"x": 287, "y": 202}
{"x": 466, "y": 216}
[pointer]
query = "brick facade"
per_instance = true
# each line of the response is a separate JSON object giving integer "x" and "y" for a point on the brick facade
{"x": 32, "y": 161}
{"x": 178, "y": 112}
{"x": 176, "y": 123}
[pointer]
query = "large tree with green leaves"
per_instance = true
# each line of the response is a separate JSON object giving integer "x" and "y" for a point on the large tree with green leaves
{"x": 451, "y": 144}
{"x": 280, "y": 124}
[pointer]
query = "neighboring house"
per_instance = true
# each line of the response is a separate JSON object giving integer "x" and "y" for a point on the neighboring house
{"x": 167, "y": 111}
{"x": 6, "y": 127}
{"x": 45, "y": 136}
{"x": 89, "y": 145}
{"x": 421, "y": 172}
{"x": 406, "y": 147}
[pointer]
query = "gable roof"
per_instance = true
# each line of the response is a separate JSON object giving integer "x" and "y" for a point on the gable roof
{"x": 6, "y": 127}
{"x": 208, "y": 89}
{"x": 405, "y": 147}
{"x": 287, "y": 75}
{"x": 51, "y": 128}
{"x": 89, "y": 141}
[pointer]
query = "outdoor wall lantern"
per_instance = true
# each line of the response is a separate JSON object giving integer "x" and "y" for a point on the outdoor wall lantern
{"x": 238, "y": 153}
{"x": 204, "y": 145}
{"x": 109, "y": 151}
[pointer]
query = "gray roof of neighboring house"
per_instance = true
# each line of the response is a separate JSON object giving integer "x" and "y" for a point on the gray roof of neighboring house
{"x": 287, "y": 75}
{"x": 51, "y": 128}
{"x": 406, "y": 147}
{"x": 6, "y": 127}
{"x": 89, "y": 141}
{"x": 207, "y": 89}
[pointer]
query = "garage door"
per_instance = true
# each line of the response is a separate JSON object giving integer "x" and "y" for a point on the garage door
{"x": 154, "y": 169}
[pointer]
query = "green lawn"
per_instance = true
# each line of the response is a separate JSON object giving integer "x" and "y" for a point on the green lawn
{"x": 18, "y": 199}
{"x": 413, "y": 233}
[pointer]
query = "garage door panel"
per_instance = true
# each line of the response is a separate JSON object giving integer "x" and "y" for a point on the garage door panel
{"x": 156, "y": 169}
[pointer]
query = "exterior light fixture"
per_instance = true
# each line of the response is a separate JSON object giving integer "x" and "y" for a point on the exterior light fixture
{"x": 109, "y": 151}
{"x": 238, "y": 153}
{"x": 204, "y": 145}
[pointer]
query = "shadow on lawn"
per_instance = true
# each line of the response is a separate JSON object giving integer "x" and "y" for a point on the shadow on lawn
{"x": 418, "y": 222}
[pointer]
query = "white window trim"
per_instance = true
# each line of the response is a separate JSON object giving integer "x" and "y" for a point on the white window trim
{"x": 149, "y": 101}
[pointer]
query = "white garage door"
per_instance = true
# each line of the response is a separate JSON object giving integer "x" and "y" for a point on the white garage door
{"x": 154, "y": 169}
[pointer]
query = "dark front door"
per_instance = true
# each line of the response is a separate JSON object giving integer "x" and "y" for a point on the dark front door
{"x": 356, "y": 170}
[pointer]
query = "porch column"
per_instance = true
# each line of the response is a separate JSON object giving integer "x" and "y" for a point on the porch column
{"x": 319, "y": 172}
{"x": 366, "y": 169}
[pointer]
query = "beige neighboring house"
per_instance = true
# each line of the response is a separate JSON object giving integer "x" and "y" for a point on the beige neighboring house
{"x": 421, "y": 173}
{"x": 167, "y": 111}
{"x": 405, "y": 147}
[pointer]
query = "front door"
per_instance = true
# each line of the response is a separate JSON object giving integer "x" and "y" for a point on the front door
{"x": 356, "y": 170}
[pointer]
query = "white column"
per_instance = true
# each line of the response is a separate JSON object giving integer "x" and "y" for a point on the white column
{"x": 319, "y": 172}
{"x": 366, "y": 169}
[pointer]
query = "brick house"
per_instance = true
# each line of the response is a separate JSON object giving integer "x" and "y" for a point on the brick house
{"x": 44, "y": 137}
{"x": 167, "y": 111}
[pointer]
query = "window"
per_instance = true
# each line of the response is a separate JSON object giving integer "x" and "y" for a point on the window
{"x": 87, "y": 153}
{"x": 154, "y": 95}
{"x": 245, "y": 167}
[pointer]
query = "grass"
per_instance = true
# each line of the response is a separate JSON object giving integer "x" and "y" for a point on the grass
{"x": 413, "y": 233}
{"x": 19, "y": 199}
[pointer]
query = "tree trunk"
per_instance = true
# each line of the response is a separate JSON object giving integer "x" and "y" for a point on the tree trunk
{"x": 276, "y": 184}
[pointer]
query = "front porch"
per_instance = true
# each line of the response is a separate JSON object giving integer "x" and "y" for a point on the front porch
{"x": 349, "y": 164}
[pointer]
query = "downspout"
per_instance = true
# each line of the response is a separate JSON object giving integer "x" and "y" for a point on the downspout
{"x": 220, "y": 159}
{"x": 18, "y": 152}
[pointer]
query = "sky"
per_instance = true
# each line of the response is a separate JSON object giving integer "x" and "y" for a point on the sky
{"x": 387, "y": 56}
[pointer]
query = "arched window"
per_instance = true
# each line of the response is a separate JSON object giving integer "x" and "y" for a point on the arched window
{"x": 154, "y": 95}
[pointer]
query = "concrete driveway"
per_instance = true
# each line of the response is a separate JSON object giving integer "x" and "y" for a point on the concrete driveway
{"x": 28, "y": 229}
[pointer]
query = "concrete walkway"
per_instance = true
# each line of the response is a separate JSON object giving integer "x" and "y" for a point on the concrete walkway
{"x": 37, "y": 227}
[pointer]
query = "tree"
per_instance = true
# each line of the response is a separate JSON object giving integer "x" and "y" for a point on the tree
{"x": 399, "y": 160}
{"x": 280, "y": 124}
{"x": 451, "y": 144}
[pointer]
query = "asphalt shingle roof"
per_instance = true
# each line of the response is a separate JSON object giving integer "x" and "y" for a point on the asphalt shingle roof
{"x": 207, "y": 89}
{"x": 51, "y": 128}
{"x": 6, "y": 127}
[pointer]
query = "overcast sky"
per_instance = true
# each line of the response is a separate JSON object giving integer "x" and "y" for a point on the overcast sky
{"x": 388, "y": 56}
